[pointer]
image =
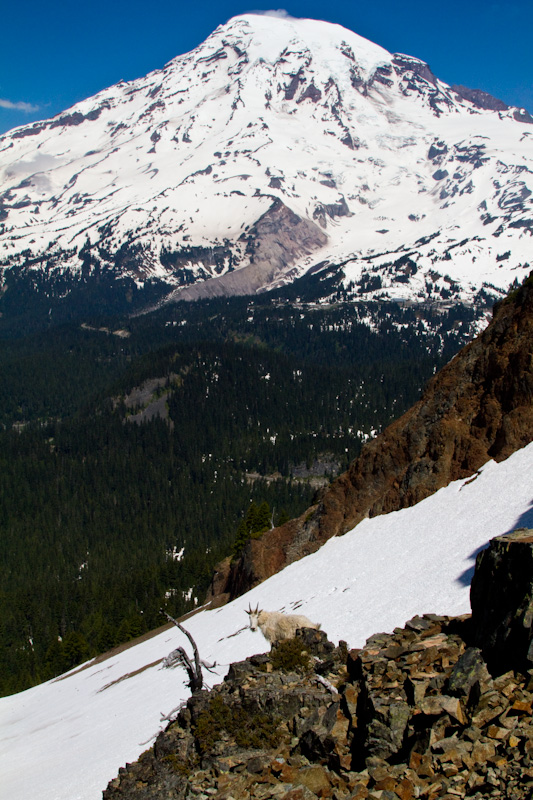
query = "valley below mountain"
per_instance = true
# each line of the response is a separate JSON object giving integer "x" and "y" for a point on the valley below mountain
{"x": 286, "y": 258}
{"x": 133, "y": 451}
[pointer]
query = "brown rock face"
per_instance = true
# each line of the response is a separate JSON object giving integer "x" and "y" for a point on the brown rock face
{"x": 477, "y": 408}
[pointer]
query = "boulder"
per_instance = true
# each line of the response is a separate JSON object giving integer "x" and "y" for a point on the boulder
{"x": 501, "y": 597}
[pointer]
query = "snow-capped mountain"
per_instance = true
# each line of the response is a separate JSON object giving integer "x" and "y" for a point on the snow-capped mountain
{"x": 65, "y": 739}
{"x": 276, "y": 147}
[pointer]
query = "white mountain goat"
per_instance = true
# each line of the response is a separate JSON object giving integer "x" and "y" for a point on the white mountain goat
{"x": 275, "y": 625}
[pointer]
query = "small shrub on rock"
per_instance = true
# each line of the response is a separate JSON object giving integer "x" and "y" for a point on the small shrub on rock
{"x": 247, "y": 730}
{"x": 290, "y": 656}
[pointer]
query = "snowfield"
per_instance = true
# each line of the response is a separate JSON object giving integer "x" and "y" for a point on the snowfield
{"x": 65, "y": 739}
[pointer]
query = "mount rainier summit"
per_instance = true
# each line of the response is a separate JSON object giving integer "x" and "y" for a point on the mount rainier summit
{"x": 276, "y": 148}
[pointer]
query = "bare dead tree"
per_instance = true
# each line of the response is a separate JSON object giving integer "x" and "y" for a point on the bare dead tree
{"x": 179, "y": 657}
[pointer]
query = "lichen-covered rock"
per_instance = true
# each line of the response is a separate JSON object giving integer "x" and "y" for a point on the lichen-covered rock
{"x": 470, "y": 676}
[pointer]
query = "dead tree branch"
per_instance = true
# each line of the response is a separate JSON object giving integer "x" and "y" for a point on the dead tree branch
{"x": 329, "y": 686}
{"x": 179, "y": 657}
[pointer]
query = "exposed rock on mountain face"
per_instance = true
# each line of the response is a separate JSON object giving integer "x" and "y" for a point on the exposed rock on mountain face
{"x": 414, "y": 713}
{"x": 481, "y": 99}
{"x": 479, "y": 407}
{"x": 277, "y": 240}
{"x": 169, "y": 180}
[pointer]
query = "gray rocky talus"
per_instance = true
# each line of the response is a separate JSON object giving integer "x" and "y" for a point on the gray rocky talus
{"x": 415, "y": 713}
{"x": 276, "y": 241}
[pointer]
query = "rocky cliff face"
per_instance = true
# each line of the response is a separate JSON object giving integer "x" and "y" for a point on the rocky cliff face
{"x": 479, "y": 407}
{"x": 504, "y": 614}
{"x": 414, "y": 713}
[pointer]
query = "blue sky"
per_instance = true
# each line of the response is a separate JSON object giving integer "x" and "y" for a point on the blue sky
{"x": 55, "y": 53}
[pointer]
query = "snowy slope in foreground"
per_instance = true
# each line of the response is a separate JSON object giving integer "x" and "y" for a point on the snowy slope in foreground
{"x": 64, "y": 740}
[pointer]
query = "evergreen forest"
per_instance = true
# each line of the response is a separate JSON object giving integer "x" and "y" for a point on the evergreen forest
{"x": 138, "y": 451}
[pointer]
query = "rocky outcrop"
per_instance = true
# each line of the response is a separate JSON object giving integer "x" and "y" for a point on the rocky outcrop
{"x": 502, "y": 601}
{"x": 480, "y": 99}
{"x": 479, "y": 407}
{"x": 414, "y": 713}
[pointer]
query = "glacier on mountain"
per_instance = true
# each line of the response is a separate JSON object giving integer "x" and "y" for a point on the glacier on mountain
{"x": 276, "y": 147}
